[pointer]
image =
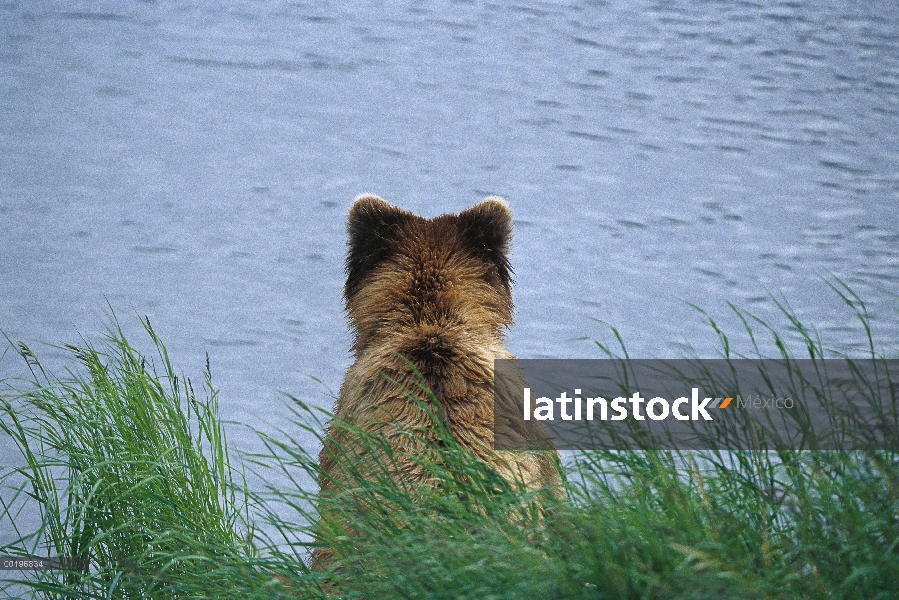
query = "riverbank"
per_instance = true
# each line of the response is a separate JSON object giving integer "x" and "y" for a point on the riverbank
{"x": 128, "y": 461}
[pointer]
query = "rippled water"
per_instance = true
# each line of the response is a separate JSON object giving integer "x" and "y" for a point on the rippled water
{"x": 195, "y": 163}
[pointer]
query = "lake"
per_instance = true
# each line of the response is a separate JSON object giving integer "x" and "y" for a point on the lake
{"x": 195, "y": 163}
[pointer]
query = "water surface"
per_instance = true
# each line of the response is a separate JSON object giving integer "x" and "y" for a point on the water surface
{"x": 194, "y": 163}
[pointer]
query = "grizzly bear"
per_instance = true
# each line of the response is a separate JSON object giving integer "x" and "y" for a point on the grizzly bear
{"x": 428, "y": 301}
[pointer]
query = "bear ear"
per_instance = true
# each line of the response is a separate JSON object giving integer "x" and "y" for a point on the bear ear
{"x": 372, "y": 227}
{"x": 486, "y": 228}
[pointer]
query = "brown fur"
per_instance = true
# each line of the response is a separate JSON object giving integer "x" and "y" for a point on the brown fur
{"x": 436, "y": 292}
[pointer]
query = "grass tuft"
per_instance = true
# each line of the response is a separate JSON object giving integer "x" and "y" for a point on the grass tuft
{"x": 130, "y": 469}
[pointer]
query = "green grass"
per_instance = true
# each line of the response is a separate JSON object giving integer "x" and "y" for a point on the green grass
{"x": 131, "y": 470}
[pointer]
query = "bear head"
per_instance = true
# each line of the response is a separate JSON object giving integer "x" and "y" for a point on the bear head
{"x": 428, "y": 289}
